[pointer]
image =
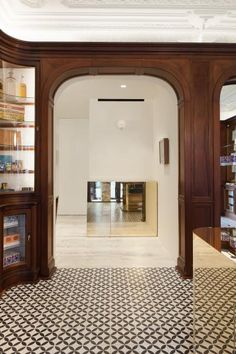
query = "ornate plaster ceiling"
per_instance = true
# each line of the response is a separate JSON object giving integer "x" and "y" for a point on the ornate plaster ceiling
{"x": 120, "y": 20}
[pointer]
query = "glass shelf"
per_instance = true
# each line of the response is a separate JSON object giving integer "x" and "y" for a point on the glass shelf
{"x": 16, "y": 99}
{"x": 228, "y": 164}
{"x": 16, "y": 172}
{"x": 17, "y": 148}
{"x": 16, "y": 124}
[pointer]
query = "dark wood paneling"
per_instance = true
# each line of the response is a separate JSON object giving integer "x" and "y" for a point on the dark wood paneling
{"x": 195, "y": 71}
{"x": 181, "y": 149}
{"x": 202, "y": 215}
{"x": 182, "y": 227}
{"x": 202, "y": 185}
{"x": 47, "y": 224}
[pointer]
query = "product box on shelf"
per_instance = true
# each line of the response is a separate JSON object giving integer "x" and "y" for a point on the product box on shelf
{"x": 232, "y": 242}
{"x": 5, "y": 162}
{"x": 10, "y": 137}
{"x": 10, "y": 221}
{"x": 11, "y": 258}
{"x": 225, "y": 235}
{"x": 11, "y": 111}
{"x": 11, "y": 240}
{"x": 8, "y": 165}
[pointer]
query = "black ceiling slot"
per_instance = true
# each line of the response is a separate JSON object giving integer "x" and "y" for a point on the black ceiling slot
{"x": 120, "y": 99}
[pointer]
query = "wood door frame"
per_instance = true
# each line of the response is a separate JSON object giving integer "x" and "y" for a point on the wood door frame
{"x": 53, "y": 83}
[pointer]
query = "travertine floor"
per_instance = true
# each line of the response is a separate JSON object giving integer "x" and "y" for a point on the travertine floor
{"x": 74, "y": 249}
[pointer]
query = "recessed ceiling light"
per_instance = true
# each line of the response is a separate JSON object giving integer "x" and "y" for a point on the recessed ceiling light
{"x": 123, "y": 86}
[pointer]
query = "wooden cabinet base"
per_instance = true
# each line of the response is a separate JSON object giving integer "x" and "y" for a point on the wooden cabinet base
{"x": 17, "y": 277}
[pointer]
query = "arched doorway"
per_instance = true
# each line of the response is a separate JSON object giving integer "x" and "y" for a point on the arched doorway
{"x": 88, "y": 124}
{"x": 56, "y": 76}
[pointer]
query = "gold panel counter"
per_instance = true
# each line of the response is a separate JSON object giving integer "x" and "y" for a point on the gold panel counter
{"x": 214, "y": 280}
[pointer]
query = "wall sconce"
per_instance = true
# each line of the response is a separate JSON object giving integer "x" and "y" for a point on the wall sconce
{"x": 164, "y": 151}
{"x": 121, "y": 124}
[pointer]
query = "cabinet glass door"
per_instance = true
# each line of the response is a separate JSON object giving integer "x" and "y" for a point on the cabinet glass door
{"x": 14, "y": 240}
{"x": 17, "y": 128}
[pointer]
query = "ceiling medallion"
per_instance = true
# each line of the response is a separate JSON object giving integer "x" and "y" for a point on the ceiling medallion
{"x": 152, "y": 3}
{"x": 33, "y": 3}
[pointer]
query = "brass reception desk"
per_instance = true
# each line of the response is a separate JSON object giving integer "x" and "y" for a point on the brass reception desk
{"x": 214, "y": 279}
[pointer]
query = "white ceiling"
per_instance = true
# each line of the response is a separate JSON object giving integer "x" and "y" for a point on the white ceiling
{"x": 73, "y": 96}
{"x": 72, "y": 99}
{"x": 120, "y": 20}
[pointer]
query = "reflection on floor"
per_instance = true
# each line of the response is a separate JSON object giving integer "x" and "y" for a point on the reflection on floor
{"x": 107, "y": 219}
{"x": 113, "y": 211}
{"x": 227, "y": 222}
{"x": 74, "y": 249}
{"x": 99, "y": 311}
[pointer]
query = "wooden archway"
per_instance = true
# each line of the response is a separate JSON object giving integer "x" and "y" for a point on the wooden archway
{"x": 72, "y": 69}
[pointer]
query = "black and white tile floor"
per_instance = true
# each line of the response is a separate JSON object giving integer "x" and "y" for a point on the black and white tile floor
{"x": 215, "y": 310}
{"x": 99, "y": 311}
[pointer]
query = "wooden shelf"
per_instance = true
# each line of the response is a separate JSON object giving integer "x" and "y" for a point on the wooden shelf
{"x": 16, "y": 148}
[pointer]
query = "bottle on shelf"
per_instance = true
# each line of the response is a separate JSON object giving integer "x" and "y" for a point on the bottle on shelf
{"x": 22, "y": 88}
{"x": 10, "y": 87}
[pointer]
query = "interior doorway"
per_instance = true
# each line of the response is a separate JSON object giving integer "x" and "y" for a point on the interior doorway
{"x": 91, "y": 109}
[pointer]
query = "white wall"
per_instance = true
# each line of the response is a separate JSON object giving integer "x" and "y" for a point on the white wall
{"x": 135, "y": 149}
{"x": 121, "y": 155}
{"x": 151, "y": 205}
{"x": 166, "y": 126}
{"x": 73, "y": 166}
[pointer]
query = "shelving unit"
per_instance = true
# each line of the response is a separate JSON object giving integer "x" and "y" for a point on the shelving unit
{"x": 228, "y": 239}
{"x": 133, "y": 196}
{"x": 17, "y": 129}
{"x": 14, "y": 230}
{"x": 18, "y": 207}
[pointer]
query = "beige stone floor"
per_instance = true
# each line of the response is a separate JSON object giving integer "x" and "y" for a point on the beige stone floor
{"x": 74, "y": 249}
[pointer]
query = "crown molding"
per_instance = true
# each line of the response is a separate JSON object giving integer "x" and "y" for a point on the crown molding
{"x": 170, "y": 4}
{"x": 34, "y": 3}
{"x": 120, "y": 20}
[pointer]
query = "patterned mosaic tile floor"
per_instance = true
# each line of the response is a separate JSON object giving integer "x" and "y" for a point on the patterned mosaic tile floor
{"x": 214, "y": 310}
{"x": 99, "y": 311}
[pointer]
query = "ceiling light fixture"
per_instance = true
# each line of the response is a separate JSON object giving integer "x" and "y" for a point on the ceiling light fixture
{"x": 121, "y": 124}
{"x": 123, "y": 86}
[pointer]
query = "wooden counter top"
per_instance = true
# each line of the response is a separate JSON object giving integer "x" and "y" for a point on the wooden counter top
{"x": 207, "y": 246}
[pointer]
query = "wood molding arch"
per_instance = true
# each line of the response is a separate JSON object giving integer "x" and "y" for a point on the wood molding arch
{"x": 55, "y": 76}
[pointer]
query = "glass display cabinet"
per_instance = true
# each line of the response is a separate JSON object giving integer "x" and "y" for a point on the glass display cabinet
{"x": 14, "y": 239}
{"x": 17, "y": 128}
{"x": 18, "y": 207}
